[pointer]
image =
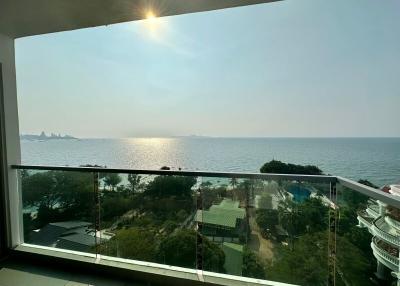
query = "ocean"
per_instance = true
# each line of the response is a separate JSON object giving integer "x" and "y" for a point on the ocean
{"x": 374, "y": 159}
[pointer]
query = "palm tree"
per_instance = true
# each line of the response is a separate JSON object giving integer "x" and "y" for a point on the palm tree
{"x": 233, "y": 183}
{"x": 290, "y": 218}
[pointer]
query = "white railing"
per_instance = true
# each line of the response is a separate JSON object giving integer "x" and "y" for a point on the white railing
{"x": 363, "y": 221}
{"x": 389, "y": 260}
{"x": 378, "y": 231}
{"x": 373, "y": 211}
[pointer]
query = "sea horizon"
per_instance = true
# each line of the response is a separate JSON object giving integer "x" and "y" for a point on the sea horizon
{"x": 373, "y": 158}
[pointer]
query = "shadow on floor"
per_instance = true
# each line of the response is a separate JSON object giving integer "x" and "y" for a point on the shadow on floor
{"x": 14, "y": 273}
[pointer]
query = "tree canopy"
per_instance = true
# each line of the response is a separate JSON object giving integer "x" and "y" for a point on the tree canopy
{"x": 166, "y": 186}
{"x": 306, "y": 265}
{"x": 180, "y": 249}
{"x": 134, "y": 182}
{"x": 112, "y": 180}
{"x": 279, "y": 167}
{"x": 58, "y": 195}
{"x": 252, "y": 265}
{"x": 267, "y": 219}
{"x": 132, "y": 243}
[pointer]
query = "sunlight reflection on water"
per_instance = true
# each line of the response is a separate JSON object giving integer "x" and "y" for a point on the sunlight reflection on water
{"x": 375, "y": 159}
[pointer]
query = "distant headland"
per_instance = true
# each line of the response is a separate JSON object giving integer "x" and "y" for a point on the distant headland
{"x": 43, "y": 136}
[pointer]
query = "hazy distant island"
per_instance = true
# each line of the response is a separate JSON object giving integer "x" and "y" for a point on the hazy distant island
{"x": 43, "y": 136}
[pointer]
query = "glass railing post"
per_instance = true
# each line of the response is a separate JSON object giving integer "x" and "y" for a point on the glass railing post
{"x": 96, "y": 213}
{"x": 199, "y": 240}
{"x": 332, "y": 235}
{"x": 19, "y": 177}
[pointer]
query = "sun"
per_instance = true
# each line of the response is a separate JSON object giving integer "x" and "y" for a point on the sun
{"x": 150, "y": 16}
{"x": 152, "y": 22}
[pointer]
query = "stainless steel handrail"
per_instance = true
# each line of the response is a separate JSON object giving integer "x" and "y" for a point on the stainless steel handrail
{"x": 265, "y": 176}
{"x": 386, "y": 198}
{"x": 362, "y": 215}
{"x": 350, "y": 184}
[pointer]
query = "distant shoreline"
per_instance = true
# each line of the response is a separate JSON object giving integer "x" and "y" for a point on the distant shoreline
{"x": 43, "y": 136}
{"x": 219, "y": 137}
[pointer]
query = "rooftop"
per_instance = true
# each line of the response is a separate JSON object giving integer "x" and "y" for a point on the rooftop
{"x": 395, "y": 190}
{"x": 71, "y": 224}
{"x": 233, "y": 258}
{"x": 225, "y": 214}
{"x": 80, "y": 238}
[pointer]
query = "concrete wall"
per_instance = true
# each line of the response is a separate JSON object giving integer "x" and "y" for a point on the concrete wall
{"x": 10, "y": 152}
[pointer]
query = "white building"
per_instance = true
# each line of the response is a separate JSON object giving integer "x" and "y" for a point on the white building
{"x": 383, "y": 222}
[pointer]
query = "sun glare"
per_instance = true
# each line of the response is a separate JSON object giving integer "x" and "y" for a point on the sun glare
{"x": 150, "y": 16}
{"x": 152, "y": 23}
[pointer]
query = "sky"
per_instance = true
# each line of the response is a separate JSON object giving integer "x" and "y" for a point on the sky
{"x": 310, "y": 68}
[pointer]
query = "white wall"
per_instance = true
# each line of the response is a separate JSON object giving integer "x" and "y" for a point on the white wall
{"x": 11, "y": 142}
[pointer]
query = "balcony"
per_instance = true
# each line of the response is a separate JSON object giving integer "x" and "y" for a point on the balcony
{"x": 386, "y": 254}
{"x": 386, "y": 232}
{"x": 198, "y": 227}
{"x": 373, "y": 210}
{"x": 364, "y": 219}
{"x": 152, "y": 227}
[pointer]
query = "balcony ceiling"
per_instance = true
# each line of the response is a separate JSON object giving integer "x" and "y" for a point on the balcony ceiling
{"x": 20, "y": 18}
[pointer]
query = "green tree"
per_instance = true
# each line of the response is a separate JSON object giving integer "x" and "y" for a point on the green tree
{"x": 132, "y": 243}
{"x": 180, "y": 249}
{"x": 76, "y": 194}
{"x": 314, "y": 214}
{"x": 134, "y": 182}
{"x": 166, "y": 186}
{"x": 353, "y": 265}
{"x": 233, "y": 182}
{"x": 267, "y": 219}
{"x": 306, "y": 265}
{"x": 291, "y": 219}
{"x": 347, "y": 219}
{"x": 112, "y": 180}
{"x": 299, "y": 218}
{"x": 40, "y": 189}
{"x": 354, "y": 200}
{"x": 59, "y": 195}
{"x": 252, "y": 265}
{"x": 279, "y": 167}
{"x": 114, "y": 206}
{"x": 361, "y": 238}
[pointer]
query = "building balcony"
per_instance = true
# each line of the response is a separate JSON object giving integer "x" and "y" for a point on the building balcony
{"x": 373, "y": 210}
{"x": 385, "y": 231}
{"x": 364, "y": 219}
{"x": 386, "y": 254}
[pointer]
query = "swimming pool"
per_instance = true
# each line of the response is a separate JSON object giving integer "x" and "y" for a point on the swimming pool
{"x": 300, "y": 193}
